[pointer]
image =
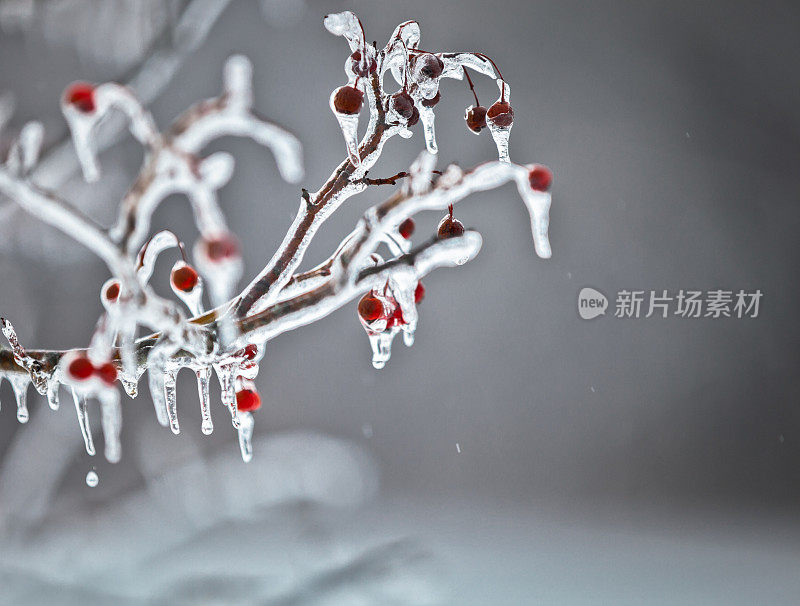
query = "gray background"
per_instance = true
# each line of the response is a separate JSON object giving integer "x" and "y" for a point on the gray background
{"x": 650, "y": 460}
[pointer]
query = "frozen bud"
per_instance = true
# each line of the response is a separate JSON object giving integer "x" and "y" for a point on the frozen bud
{"x": 363, "y": 66}
{"x": 540, "y": 178}
{"x": 501, "y": 114}
{"x": 80, "y": 95}
{"x": 348, "y": 100}
{"x": 406, "y": 228}
{"x": 184, "y": 277}
{"x": 476, "y": 118}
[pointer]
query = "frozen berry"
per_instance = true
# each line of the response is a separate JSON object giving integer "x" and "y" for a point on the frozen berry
{"x": 348, "y": 100}
{"x": 396, "y": 319}
{"x": 500, "y": 114}
{"x": 370, "y": 308}
{"x": 221, "y": 248}
{"x": 414, "y": 117}
{"x": 81, "y": 96}
{"x": 429, "y": 65}
{"x": 433, "y": 101}
{"x": 360, "y": 68}
{"x": 184, "y": 278}
{"x": 450, "y": 227}
{"x": 476, "y": 118}
{"x": 250, "y": 352}
{"x": 80, "y": 368}
{"x": 406, "y": 228}
{"x": 419, "y": 293}
{"x": 112, "y": 291}
{"x": 540, "y": 178}
{"x": 402, "y": 103}
{"x": 247, "y": 400}
{"x": 107, "y": 373}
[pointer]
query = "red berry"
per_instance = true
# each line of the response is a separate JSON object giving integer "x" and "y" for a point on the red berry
{"x": 419, "y": 293}
{"x": 247, "y": 400}
{"x": 81, "y": 96}
{"x": 396, "y": 319}
{"x": 107, "y": 373}
{"x": 433, "y": 101}
{"x": 184, "y": 278}
{"x": 406, "y": 228}
{"x": 249, "y": 352}
{"x": 112, "y": 291}
{"x": 403, "y": 104}
{"x": 414, "y": 117}
{"x": 450, "y": 228}
{"x": 221, "y": 248}
{"x": 80, "y": 368}
{"x": 370, "y": 308}
{"x": 360, "y": 69}
{"x": 348, "y": 100}
{"x": 429, "y": 65}
{"x": 476, "y": 118}
{"x": 540, "y": 178}
{"x": 501, "y": 114}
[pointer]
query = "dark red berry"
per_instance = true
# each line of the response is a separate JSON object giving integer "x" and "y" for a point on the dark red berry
{"x": 247, "y": 400}
{"x": 450, "y": 228}
{"x": 403, "y": 104}
{"x": 81, "y": 96}
{"x": 107, "y": 373}
{"x": 414, "y": 117}
{"x": 432, "y": 102}
{"x": 370, "y": 308}
{"x": 476, "y": 118}
{"x": 348, "y": 100}
{"x": 222, "y": 248}
{"x": 430, "y": 65}
{"x": 249, "y": 352}
{"x": 419, "y": 293}
{"x": 112, "y": 291}
{"x": 359, "y": 68}
{"x": 184, "y": 278}
{"x": 80, "y": 368}
{"x": 406, "y": 228}
{"x": 540, "y": 178}
{"x": 501, "y": 114}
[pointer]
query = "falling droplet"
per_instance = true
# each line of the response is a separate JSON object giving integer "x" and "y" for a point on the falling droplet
{"x": 92, "y": 479}
{"x": 171, "y": 399}
{"x": 245, "y": 428}
{"x": 83, "y": 421}
{"x": 203, "y": 376}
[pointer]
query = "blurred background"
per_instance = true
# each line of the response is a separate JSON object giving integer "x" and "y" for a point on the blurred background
{"x": 516, "y": 454}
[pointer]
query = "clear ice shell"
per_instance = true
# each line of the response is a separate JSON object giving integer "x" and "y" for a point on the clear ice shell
{"x": 349, "y": 125}
{"x": 111, "y": 421}
{"x": 203, "y": 377}
{"x": 81, "y": 408}
{"x": 500, "y": 134}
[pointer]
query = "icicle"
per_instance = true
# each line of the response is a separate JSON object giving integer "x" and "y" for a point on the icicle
{"x": 203, "y": 376}
{"x": 52, "y": 393}
{"x": 427, "y": 116}
{"x": 92, "y": 479}
{"x": 83, "y": 421}
{"x": 381, "y": 348}
{"x": 500, "y": 134}
{"x": 111, "y": 419}
{"x": 245, "y": 429}
{"x": 171, "y": 400}
{"x": 19, "y": 384}
{"x": 131, "y": 387}
{"x": 226, "y": 373}
{"x": 349, "y": 125}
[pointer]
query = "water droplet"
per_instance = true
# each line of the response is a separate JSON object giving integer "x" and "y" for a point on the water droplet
{"x": 92, "y": 479}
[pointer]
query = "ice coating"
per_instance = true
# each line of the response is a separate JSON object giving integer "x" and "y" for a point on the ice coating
{"x": 111, "y": 421}
{"x": 427, "y": 117}
{"x": 500, "y": 134}
{"x": 244, "y": 427}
